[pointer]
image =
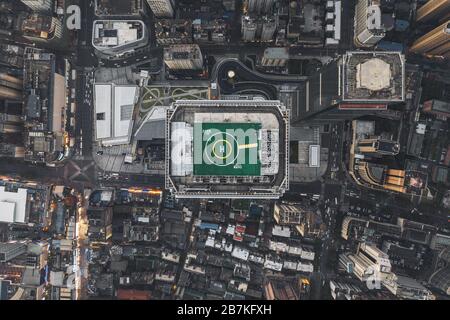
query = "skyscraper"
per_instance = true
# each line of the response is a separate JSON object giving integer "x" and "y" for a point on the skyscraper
{"x": 248, "y": 28}
{"x": 183, "y": 57}
{"x": 162, "y": 8}
{"x": 434, "y": 43}
{"x": 39, "y": 5}
{"x": 433, "y": 9}
{"x": 370, "y": 262}
{"x": 368, "y": 27}
{"x": 10, "y": 250}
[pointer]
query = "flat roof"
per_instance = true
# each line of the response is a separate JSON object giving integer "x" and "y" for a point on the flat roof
{"x": 13, "y": 205}
{"x": 102, "y": 103}
{"x": 114, "y": 109}
{"x": 314, "y": 156}
{"x": 227, "y": 149}
{"x": 116, "y": 33}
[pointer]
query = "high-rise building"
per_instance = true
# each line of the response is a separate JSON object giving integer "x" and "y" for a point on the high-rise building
{"x": 433, "y": 9}
{"x": 162, "y": 8}
{"x": 437, "y": 107}
{"x": 434, "y": 43}
{"x": 10, "y": 250}
{"x": 275, "y": 57}
{"x": 39, "y": 5}
{"x": 260, "y": 6}
{"x": 356, "y": 84}
{"x": 368, "y": 26}
{"x": 369, "y": 262}
{"x": 10, "y": 87}
{"x": 10, "y": 150}
{"x": 183, "y": 57}
{"x": 269, "y": 26}
{"x": 248, "y": 29}
{"x": 286, "y": 214}
{"x": 10, "y": 123}
{"x": 38, "y": 27}
{"x": 113, "y": 38}
{"x": 378, "y": 146}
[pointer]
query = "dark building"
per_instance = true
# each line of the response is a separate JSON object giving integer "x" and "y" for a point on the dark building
{"x": 100, "y": 223}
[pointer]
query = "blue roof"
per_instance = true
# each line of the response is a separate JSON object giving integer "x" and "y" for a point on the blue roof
{"x": 207, "y": 225}
{"x": 390, "y": 46}
{"x": 401, "y": 25}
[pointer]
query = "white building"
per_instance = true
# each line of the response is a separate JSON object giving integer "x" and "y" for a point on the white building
{"x": 162, "y": 8}
{"x": 14, "y": 205}
{"x": 183, "y": 57}
{"x": 114, "y": 109}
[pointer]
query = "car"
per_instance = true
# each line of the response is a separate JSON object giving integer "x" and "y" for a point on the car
{"x": 99, "y": 153}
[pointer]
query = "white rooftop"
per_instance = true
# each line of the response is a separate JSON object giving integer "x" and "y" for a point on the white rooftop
{"x": 119, "y": 32}
{"x": 114, "y": 107}
{"x": 374, "y": 75}
{"x": 13, "y": 206}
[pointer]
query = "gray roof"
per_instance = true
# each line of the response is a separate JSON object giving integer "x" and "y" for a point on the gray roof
{"x": 151, "y": 130}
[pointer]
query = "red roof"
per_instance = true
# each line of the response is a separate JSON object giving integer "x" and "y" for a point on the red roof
{"x": 130, "y": 294}
{"x": 362, "y": 106}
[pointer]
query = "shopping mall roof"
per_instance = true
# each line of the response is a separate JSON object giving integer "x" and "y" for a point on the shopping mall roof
{"x": 13, "y": 205}
{"x": 114, "y": 108}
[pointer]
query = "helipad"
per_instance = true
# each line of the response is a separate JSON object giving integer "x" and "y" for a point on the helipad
{"x": 227, "y": 149}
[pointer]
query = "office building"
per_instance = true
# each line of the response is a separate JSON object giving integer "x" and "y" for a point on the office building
{"x": 119, "y": 8}
{"x": 173, "y": 31}
{"x": 183, "y": 57}
{"x": 100, "y": 223}
{"x": 407, "y": 288}
{"x": 441, "y": 280}
{"x": 10, "y": 250}
{"x": 433, "y": 10}
{"x": 114, "y": 113}
{"x": 357, "y": 83}
{"x": 260, "y": 6}
{"x": 162, "y": 8}
{"x": 248, "y": 29}
{"x": 227, "y": 149}
{"x": 38, "y": 27}
{"x": 275, "y": 57}
{"x": 368, "y": 23}
{"x": 255, "y": 28}
{"x": 438, "y": 108}
{"x": 378, "y": 147}
{"x": 10, "y": 87}
{"x": 435, "y": 43}
{"x": 115, "y": 38}
{"x": 286, "y": 214}
{"x": 44, "y": 107}
{"x": 10, "y": 123}
{"x": 39, "y": 5}
{"x": 11, "y": 150}
{"x": 14, "y": 205}
{"x": 370, "y": 263}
